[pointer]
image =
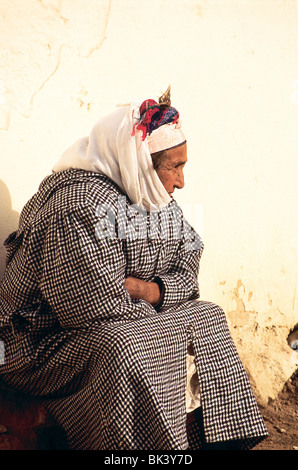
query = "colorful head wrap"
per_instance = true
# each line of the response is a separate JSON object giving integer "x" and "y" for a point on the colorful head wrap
{"x": 154, "y": 115}
{"x": 161, "y": 126}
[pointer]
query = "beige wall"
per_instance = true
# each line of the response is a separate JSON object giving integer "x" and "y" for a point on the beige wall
{"x": 233, "y": 69}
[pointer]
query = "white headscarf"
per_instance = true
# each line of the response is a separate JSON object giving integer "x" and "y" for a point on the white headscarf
{"x": 112, "y": 150}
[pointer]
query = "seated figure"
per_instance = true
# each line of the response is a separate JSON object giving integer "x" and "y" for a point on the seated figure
{"x": 100, "y": 316}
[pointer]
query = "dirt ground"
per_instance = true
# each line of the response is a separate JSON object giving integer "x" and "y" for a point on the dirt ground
{"x": 280, "y": 417}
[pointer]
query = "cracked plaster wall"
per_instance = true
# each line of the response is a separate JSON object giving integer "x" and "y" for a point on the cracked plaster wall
{"x": 234, "y": 75}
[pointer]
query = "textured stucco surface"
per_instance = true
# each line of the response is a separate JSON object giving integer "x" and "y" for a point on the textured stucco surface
{"x": 234, "y": 75}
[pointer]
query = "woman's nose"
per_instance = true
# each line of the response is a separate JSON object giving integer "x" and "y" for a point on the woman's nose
{"x": 179, "y": 183}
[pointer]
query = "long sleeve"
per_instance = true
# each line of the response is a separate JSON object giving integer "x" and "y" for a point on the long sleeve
{"x": 81, "y": 276}
{"x": 180, "y": 282}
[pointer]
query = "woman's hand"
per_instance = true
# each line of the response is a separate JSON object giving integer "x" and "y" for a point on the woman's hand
{"x": 139, "y": 289}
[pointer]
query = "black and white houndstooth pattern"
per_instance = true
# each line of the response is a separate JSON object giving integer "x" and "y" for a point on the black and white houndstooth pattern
{"x": 110, "y": 369}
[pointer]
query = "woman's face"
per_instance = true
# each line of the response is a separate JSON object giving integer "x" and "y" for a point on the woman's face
{"x": 170, "y": 171}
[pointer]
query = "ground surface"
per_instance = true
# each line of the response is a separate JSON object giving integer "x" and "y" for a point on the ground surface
{"x": 281, "y": 418}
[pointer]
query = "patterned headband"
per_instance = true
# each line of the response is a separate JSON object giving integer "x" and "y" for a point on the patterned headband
{"x": 154, "y": 115}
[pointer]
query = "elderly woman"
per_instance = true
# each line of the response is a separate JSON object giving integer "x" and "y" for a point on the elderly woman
{"x": 99, "y": 309}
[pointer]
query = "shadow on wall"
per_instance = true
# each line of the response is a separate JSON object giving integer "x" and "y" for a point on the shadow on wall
{"x": 9, "y": 222}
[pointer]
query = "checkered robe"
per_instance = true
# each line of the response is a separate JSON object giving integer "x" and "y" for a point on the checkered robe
{"x": 112, "y": 370}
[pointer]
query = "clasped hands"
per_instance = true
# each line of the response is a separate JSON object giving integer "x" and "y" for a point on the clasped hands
{"x": 139, "y": 289}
